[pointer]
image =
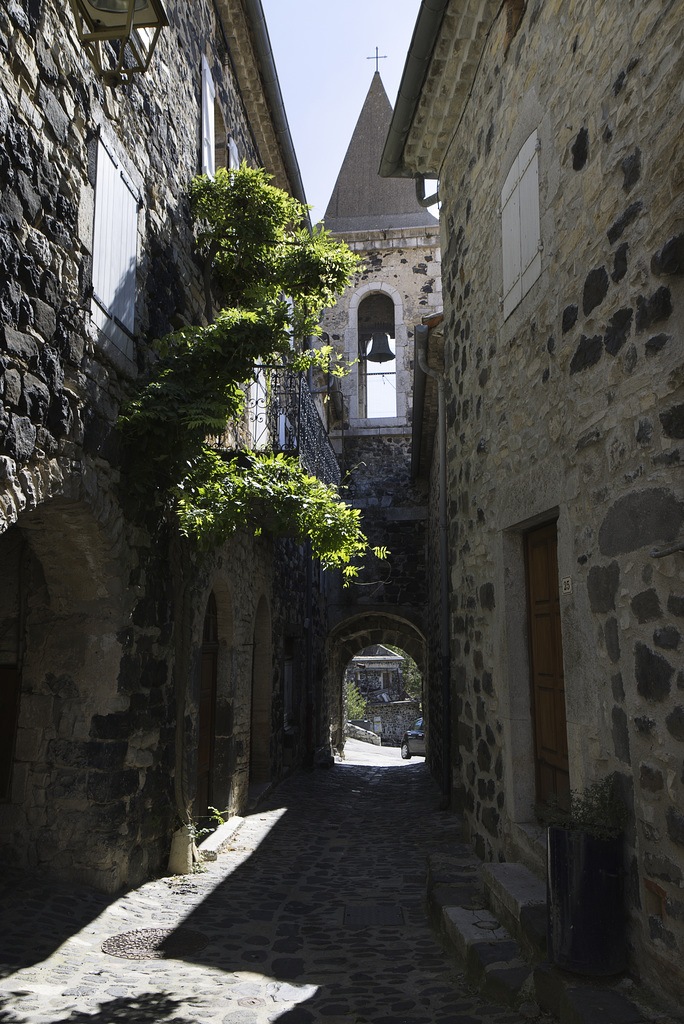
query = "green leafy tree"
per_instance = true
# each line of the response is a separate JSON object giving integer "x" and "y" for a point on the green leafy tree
{"x": 412, "y": 678}
{"x": 356, "y": 704}
{"x": 270, "y": 278}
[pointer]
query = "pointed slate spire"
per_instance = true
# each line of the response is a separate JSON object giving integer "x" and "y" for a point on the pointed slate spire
{"x": 361, "y": 199}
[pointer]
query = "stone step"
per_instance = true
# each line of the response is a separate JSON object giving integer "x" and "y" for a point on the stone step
{"x": 216, "y": 842}
{"x": 517, "y": 898}
{"x": 493, "y": 918}
{"x": 492, "y": 959}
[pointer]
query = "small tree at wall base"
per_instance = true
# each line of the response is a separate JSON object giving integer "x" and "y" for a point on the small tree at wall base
{"x": 256, "y": 252}
{"x": 356, "y": 704}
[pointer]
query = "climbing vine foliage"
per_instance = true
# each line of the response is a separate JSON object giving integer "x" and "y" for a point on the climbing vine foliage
{"x": 267, "y": 279}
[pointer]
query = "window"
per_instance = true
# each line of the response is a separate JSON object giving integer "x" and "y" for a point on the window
{"x": 233, "y": 155}
{"x": 208, "y": 121}
{"x": 218, "y": 148}
{"x": 115, "y": 239}
{"x": 377, "y": 379}
{"x": 521, "y": 238}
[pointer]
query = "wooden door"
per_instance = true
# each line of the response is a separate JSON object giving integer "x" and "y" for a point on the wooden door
{"x": 10, "y": 686}
{"x": 546, "y": 663}
{"x": 207, "y": 709}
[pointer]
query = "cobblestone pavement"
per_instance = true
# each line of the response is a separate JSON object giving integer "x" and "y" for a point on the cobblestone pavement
{"x": 314, "y": 913}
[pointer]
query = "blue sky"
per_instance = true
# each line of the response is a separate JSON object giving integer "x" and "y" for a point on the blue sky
{"x": 321, "y": 50}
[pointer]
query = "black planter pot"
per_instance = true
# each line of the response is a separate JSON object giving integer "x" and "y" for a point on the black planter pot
{"x": 585, "y": 898}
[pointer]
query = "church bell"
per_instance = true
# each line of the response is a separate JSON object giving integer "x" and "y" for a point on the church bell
{"x": 380, "y": 351}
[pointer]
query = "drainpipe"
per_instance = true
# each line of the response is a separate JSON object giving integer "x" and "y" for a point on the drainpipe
{"x": 424, "y": 200}
{"x": 421, "y": 350}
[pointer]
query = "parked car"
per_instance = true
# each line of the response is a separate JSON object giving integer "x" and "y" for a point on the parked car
{"x": 413, "y": 741}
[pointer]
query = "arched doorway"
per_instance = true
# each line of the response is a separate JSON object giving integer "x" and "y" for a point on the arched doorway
{"x": 260, "y": 724}
{"x": 360, "y": 632}
{"x": 207, "y": 709}
{"x": 68, "y": 670}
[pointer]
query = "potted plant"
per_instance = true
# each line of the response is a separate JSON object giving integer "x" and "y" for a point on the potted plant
{"x": 586, "y": 924}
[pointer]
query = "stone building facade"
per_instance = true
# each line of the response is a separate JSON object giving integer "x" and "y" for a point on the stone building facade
{"x": 140, "y": 681}
{"x": 397, "y": 285}
{"x": 377, "y": 673}
{"x": 556, "y": 131}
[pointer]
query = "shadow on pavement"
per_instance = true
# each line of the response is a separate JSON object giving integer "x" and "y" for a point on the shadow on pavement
{"x": 357, "y": 838}
{"x": 354, "y": 836}
{"x": 38, "y": 914}
{"x": 148, "y": 1008}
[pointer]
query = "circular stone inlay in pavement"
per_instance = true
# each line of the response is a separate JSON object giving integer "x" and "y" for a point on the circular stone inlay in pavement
{"x": 155, "y": 943}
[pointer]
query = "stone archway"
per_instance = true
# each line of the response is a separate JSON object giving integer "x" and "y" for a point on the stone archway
{"x": 65, "y": 615}
{"x": 355, "y": 633}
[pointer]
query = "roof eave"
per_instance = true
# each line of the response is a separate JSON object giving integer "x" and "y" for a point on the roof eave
{"x": 423, "y": 41}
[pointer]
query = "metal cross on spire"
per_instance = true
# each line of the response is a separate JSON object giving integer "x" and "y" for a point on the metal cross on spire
{"x": 377, "y": 59}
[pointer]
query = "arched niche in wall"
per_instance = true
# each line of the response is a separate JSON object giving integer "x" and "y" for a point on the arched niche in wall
{"x": 262, "y": 682}
{"x": 65, "y": 614}
{"x": 218, "y": 656}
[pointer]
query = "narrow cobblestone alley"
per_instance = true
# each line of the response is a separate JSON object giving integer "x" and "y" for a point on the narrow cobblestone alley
{"x": 283, "y": 916}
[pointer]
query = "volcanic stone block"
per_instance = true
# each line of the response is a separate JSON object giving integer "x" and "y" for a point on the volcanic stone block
{"x": 672, "y": 421}
{"x": 654, "y": 309}
{"x": 669, "y": 260}
{"x": 646, "y": 606}
{"x": 620, "y": 262}
{"x": 650, "y": 778}
{"x": 675, "y": 826}
{"x": 21, "y": 345}
{"x": 659, "y": 866}
{"x": 587, "y": 354}
{"x": 595, "y": 289}
{"x": 569, "y": 318}
{"x": 668, "y": 637}
{"x": 675, "y": 723}
{"x": 631, "y": 169}
{"x": 656, "y": 344}
{"x": 631, "y": 213}
{"x": 602, "y": 584}
{"x": 580, "y": 150}
{"x": 639, "y": 519}
{"x": 653, "y": 674}
{"x": 618, "y": 330}
{"x": 20, "y": 438}
{"x": 35, "y": 399}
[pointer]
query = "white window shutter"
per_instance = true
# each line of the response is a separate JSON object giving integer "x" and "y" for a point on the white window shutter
{"x": 510, "y": 241}
{"x": 115, "y": 237}
{"x": 520, "y": 225}
{"x": 208, "y": 136}
{"x": 233, "y": 155}
{"x": 530, "y": 256}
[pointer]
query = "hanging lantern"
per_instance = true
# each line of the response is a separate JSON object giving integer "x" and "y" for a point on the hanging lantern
{"x": 380, "y": 351}
{"x": 119, "y": 35}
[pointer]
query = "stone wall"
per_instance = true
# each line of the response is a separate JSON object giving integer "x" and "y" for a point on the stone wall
{"x": 395, "y": 719}
{"x": 103, "y": 616}
{"x": 571, "y": 410}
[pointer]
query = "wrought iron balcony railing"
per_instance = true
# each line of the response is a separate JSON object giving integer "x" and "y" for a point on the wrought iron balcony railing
{"x": 281, "y": 416}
